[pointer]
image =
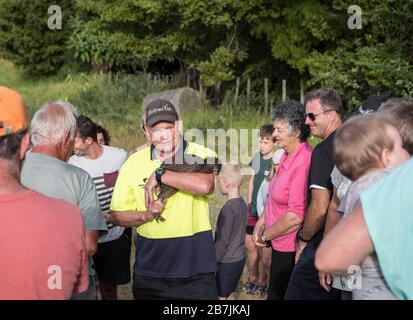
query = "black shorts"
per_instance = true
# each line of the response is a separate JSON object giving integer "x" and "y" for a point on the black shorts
{"x": 227, "y": 277}
{"x": 112, "y": 259}
{"x": 198, "y": 287}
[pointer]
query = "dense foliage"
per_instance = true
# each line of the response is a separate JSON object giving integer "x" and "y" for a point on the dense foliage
{"x": 221, "y": 39}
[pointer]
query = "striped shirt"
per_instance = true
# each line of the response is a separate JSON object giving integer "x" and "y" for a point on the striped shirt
{"x": 104, "y": 172}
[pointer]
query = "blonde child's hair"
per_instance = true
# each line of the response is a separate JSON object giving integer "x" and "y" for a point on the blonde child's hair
{"x": 400, "y": 112}
{"x": 232, "y": 173}
{"x": 359, "y": 142}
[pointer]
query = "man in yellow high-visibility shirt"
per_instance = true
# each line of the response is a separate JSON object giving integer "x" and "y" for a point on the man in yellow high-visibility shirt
{"x": 175, "y": 259}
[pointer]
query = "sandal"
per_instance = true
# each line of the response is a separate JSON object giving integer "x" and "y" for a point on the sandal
{"x": 259, "y": 289}
{"x": 248, "y": 288}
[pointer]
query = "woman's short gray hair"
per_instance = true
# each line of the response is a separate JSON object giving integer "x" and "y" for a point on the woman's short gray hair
{"x": 293, "y": 114}
{"x": 52, "y": 122}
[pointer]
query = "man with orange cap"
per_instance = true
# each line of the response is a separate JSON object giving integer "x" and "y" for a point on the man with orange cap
{"x": 43, "y": 246}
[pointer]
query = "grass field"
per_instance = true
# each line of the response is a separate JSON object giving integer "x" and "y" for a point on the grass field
{"x": 115, "y": 102}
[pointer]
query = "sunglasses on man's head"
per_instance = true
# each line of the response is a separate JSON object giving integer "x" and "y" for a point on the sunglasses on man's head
{"x": 312, "y": 116}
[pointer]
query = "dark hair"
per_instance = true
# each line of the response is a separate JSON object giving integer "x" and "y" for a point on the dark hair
{"x": 10, "y": 145}
{"x": 400, "y": 112}
{"x": 266, "y": 131}
{"x": 293, "y": 113}
{"x": 104, "y": 132}
{"x": 329, "y": 99}
{"x": 86, "y": 128}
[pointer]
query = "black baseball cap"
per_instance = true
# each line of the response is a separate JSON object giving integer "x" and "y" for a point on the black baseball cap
{"x": 371, "y": 104}
{"x": 160, "y": 110}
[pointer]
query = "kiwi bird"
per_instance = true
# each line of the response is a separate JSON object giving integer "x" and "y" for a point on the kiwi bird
{"x": 192, "y": 164}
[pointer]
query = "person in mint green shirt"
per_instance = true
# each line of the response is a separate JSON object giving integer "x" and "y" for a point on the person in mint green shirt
{"x": 382, "y": 222}
{"x": 387, "y": 210}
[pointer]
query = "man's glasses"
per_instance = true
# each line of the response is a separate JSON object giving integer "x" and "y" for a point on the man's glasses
{"x": 312, "y": 116}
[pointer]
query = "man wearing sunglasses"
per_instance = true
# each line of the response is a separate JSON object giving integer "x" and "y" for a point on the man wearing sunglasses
{"x": 323, "y": 108}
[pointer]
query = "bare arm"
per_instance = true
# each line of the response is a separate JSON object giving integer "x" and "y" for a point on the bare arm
{"x": 349, "y": 243}
{"x": 333, "y": 216}
{"x": 290, "y": 222}
{"x": 316, "y": 213}
{"x": 192, "y": 182}
{"x": 92, "y": 237}
{"x": 315, "y": 218}
{"x": 136, "y": 218}
{"x": 250, "y": 187}
{"x": 130, "y": 218}
{"x": 258, "y": 231}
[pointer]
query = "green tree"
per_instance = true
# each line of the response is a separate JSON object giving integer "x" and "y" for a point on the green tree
{"x": 374, "y": 60}
{"x": 201, "y": 35}
{"x": 25, "y": 38}
{"x": 221, "y": 39}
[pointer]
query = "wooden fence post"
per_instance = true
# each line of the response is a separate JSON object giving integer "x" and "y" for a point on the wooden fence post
{"x": 217, "y": 93}
{"x": 201, "y": 89}
{"x": 248, "y": 92}
{"x": 266, "y": 95}
{"x": 236, "y": 91}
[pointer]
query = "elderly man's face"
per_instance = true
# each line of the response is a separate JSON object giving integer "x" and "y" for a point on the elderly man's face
{"x": 163, "y": 136}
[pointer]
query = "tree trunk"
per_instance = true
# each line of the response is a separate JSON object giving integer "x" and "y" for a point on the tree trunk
{"x": 217, "y": 93}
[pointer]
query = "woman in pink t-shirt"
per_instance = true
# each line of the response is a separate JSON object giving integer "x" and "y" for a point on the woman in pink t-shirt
{"x": 287, "y": 195}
